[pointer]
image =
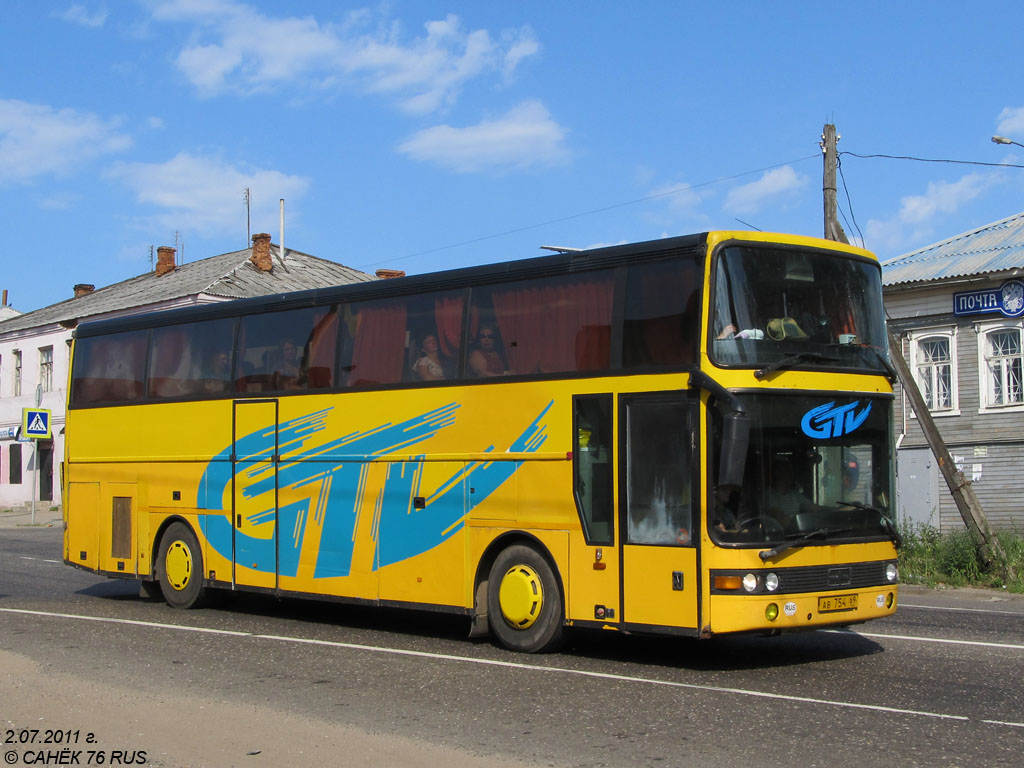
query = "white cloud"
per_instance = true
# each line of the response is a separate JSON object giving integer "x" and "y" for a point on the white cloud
{"x": 525, "y": 136}
{"x": 203, "y": 195}
{"x": 78, "y": 14}
{"x": 914, "y": 224}
{"x": 235, "y": 48}
{"x": 1011, "y": 122}
{"x": 521, "y": 44}
{"x": 774, "y": 184}
{"x": 943, "y": 197}
{"x": 38, "y": 140}
{"x": 680, "y": 196}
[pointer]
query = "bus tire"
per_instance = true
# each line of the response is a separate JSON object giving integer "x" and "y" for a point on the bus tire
{"x": 524, "y": 602}
{"x": 181, "y": 567}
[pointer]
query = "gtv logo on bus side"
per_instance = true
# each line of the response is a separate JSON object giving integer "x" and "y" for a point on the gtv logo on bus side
{"x": 831, "y": 420}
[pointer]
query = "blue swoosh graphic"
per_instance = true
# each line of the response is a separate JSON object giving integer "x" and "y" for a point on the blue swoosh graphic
{"x": 334, "y": 473}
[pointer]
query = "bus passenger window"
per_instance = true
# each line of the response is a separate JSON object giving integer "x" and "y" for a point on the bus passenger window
{"x": 169, "y": 363}
{"x": 663, "y": 318}
{"x": 109, "y": 369}
{"x": 554, "y": 325}
{"x": 434, "y": 330}
{"x": 191, "y": 360}
{"x": 286, "y": 351}
{"x": 375, "y": 344}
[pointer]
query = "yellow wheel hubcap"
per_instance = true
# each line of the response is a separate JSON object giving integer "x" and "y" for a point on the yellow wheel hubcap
{"x": 178, "y": 565}
{"x": 521, "y": 596}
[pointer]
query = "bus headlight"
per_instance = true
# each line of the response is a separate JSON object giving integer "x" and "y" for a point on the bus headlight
{"x": 771, "y": 582}
{"x": 891, "y": 572}
{"x": 750, "y": 582}
{"x": 771, "y": 612}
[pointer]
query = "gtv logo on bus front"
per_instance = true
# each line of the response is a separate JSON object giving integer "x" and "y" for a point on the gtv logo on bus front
{"x": 831, "y": 420}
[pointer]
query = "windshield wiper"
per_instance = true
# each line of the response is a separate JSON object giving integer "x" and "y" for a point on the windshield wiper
{"x": 883, "y": 520}
{"x": 790, "y": 361}
{"x": 886, "y": 523}
{"x": 768, "y": 554}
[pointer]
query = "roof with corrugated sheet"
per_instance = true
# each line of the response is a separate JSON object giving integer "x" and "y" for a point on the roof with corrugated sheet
{"x": 995, "y": 247}
{"x": 229, "y": 275}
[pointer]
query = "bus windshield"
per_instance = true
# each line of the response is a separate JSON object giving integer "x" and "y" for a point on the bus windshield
{"x": 817, "y": 468}
{"x": 790, "y": 308}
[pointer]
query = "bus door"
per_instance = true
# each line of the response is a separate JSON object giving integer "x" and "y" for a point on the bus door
{"x": 254, "y": 493}
{"x": 658, "y": 441}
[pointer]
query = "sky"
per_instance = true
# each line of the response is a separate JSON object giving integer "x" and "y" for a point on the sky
{"x": 424, "y": 135}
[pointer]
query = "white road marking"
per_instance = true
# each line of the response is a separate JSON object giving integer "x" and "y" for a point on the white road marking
{"x": 512, "y": 665}
{"x": 918, "y": 638}
{"x": 107, "y": 620}
{"x": 965, "y": 610}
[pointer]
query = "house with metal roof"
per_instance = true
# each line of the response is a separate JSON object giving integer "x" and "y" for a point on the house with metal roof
{"x": 957, "y": 310}
{"x": 35, "y": 346}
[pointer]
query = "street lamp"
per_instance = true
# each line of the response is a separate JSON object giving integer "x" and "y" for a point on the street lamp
{"x": 1004, "y": 140}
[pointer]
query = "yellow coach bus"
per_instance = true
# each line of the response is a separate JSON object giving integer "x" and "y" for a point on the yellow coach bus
{"x": 687, "y": 436}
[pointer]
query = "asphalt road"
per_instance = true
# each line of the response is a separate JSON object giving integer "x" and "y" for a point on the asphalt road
{"x": 940, "y": 683}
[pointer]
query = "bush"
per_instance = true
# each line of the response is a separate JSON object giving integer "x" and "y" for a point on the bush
{"x": 952, "y": 559}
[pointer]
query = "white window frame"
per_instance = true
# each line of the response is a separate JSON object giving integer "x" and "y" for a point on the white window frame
{"x": 18, "y": 362}
{"x": 949, "y": 332}
{"x": 984, "y": 377}
{"x": 46, "y": 368}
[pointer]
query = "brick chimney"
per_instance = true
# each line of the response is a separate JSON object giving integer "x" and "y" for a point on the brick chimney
{"x": 387, "y": 274}
{"x": 164, "y": 260}
{"x": 261, "y": 252}
{"x": 84, "y": 289}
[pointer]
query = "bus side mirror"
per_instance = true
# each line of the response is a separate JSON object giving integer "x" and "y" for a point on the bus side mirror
{"x": 735, "y": 429}
{"x": 735, "y": 441}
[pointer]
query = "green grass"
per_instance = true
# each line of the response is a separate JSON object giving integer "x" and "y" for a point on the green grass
{"x": 951, "y": 559}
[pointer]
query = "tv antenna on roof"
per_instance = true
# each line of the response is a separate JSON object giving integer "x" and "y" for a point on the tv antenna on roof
{"x": 247, "y": 197}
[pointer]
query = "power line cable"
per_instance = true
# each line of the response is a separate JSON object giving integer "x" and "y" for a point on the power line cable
{"x": 676, "y": 190}
{"x": 932, "y": 160}
{"x": 849, "y": 203}
{"x": 880, "y": 156}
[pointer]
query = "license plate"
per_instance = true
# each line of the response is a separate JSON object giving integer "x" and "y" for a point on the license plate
{"x": 834, "y": 603}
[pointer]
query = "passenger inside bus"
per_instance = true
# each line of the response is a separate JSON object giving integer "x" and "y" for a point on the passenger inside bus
{"x": 486, "y": 359}
{"x": 213, "y": 375}
{"x": 786, "y": 499}
{"x": 430, "y": 366}
{"x": 284, "y": 365}
{"x": 728, "y": 510}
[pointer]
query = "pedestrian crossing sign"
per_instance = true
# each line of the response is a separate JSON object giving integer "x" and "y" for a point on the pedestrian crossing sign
{"x": 35, "y": 423}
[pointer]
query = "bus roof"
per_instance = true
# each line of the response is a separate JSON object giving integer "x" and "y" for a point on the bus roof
{"x": 521, "y": 269}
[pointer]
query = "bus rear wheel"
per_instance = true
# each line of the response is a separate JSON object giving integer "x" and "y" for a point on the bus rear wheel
{"x": 524, "y": 603}
{"x": 181, "y": 567}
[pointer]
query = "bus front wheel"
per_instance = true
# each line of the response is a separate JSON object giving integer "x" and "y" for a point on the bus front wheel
{"x": 524, "y": 603}
{"x": 181, "y": 567}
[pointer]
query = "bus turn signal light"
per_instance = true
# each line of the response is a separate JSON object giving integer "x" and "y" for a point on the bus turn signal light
{"x": 728, "y": 582}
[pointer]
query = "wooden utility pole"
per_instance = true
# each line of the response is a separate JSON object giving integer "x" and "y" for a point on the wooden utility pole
{"x": 959, "y": 486}
{"x": 833, "y": 229}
